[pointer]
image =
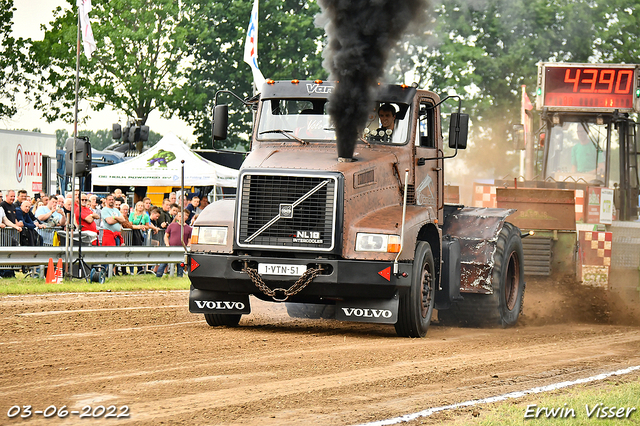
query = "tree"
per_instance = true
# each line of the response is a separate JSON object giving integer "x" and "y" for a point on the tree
{"x": 13, "y": 61}
{"x": 61, "y": 138}
{"x": 486, "y": 51}
{"x": 618, "y": 38}
{"x": 141, "y": 48}
{"x": 289, "y": 46}
{"x": 99, "y": 139}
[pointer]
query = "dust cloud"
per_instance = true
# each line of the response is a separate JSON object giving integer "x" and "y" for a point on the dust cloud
{"x": 561, "y": 300}
{"x": 490, "y": 155}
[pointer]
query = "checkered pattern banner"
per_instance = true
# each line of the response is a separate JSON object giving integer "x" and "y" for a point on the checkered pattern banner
{"x": 595, "y": 258}
{"x": 596, "y": 248}
{"x": 579, "y": 205}
{"x": 484, "y": 195}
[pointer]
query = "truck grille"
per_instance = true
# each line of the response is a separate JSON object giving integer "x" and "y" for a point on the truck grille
{"x": 287, "y": 211}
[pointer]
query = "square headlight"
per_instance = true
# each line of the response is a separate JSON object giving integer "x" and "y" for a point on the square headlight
{"x": 382, "y": 243}
{"x": 216, "y": 235}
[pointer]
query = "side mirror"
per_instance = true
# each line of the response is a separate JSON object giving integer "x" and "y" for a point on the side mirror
{"x": 518, "y": 137}
{"x": 220, "y": 122}
{"x": 458, "y": 130}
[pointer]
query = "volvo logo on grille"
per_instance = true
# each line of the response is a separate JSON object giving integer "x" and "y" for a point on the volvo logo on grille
{"x": 286, "y": 211}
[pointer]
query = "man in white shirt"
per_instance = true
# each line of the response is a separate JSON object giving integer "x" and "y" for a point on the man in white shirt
{"x": 51, "y": 213}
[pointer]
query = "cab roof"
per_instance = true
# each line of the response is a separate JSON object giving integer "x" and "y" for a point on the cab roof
{"x": 322, "y": 89}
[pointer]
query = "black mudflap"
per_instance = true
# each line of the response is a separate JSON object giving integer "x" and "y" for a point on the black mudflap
{"x": 368, "y": 310}
{"x": 210, "y": 302}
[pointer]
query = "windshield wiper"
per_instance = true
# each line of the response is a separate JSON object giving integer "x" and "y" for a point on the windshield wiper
{"x": 287, "y": 133}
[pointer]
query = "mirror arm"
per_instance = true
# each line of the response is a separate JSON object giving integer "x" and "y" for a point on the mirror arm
{"x": 423, "y": 160}
{"x": 244, "y": 102}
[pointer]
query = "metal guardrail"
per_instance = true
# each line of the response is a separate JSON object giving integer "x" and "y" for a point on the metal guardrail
{"x": 9, "y": 237}
{"x": 34, "y": 256}
{"x": 151, "y": 239}
{"x": 13, "y": 256}
{"x": 47, "y": 235}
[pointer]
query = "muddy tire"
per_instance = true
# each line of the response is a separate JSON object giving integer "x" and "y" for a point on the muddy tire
{"x": 503, "y": 307}
{"x": 310, "y": 311}
{"x": 416, "y": 306}
{"x": 217, "y": 319}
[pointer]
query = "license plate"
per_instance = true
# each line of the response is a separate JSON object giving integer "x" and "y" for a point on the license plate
{"x": 277, "y": 269}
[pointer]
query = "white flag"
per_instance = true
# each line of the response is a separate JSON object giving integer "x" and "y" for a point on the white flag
{"x": 251, "y": 47}
{"x": 84, "y": 7}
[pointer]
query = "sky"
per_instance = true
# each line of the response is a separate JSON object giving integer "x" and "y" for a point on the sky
{"x": 27, "y": 18}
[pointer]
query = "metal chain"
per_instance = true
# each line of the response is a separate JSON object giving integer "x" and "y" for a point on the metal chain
{"x": 304, "y": 280}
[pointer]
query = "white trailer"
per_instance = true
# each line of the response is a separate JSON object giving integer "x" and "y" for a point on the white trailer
{"x": 28, "y": 161}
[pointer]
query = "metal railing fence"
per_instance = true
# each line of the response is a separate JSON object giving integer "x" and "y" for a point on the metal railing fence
{"x": 14, "y": 256}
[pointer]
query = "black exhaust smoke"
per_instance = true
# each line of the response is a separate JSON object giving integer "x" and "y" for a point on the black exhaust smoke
{"x": 360, "y": 35}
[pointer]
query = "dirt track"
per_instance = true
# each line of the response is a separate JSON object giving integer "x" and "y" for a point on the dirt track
{"x": 146, "y": 351}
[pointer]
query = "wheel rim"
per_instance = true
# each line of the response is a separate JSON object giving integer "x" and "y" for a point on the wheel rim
{"x": 426, "y": 291}
{"x": 512, "y": 281}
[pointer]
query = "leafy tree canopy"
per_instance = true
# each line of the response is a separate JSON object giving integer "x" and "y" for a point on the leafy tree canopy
{"x": 289, "y": 46}
{"x": 175, "y": 56}
{"x": 141, "y": 46}
{"x": 618, "y": 34}
{"x": 486, "y": 50}
{"x": 13, "y": 61}
{"x": 99, "y": 139}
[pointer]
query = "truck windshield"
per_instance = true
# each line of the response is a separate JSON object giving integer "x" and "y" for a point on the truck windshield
{"x": 577, "y": 151}
{"x": 309, "y": 120}
{"x": 306, "y": 119}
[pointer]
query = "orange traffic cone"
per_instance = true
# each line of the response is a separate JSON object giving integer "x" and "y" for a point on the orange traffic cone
{"x": 59, "y": 273}
{"x": 50, "y": 272}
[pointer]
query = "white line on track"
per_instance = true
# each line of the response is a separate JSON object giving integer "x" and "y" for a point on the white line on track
{"x": 96, "y": 333}
{"x": 511, "y": 395}
{"x": 96, "y": 294}
{"x": 74, "y": 311}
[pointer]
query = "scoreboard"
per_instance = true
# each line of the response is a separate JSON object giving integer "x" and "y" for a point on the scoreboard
{"x": 588, "y": 87}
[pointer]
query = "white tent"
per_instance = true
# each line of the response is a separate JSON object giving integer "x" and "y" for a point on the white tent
{"x": 162, "y": 166}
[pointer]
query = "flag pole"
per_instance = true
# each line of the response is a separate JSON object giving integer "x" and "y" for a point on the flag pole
{"x": 71, "y": 223}
{"x": 251, "y": 49}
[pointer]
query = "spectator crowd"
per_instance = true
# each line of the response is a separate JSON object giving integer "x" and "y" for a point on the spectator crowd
{"x": 103, "y": 220}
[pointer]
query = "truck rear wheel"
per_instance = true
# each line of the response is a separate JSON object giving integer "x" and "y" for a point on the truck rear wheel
{"x": 416, "y": 307}
{"x": 217, "y": 319}
{"x": 504, "y": 306}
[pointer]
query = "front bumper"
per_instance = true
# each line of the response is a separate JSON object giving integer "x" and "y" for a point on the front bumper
{"x": 340, "y": 280}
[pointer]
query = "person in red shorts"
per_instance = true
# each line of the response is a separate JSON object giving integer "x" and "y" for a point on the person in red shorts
{"x": 112, "y": 221}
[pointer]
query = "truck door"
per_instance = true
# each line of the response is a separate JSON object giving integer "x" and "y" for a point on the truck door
{"x": 428, "y": 173}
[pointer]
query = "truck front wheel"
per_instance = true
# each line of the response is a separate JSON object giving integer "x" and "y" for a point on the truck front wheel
{"x": 416, "y": 307}
{"x": 217, "y": 319}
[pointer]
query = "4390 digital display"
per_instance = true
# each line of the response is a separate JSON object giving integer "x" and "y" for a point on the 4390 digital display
{"x": 589, "y": 87}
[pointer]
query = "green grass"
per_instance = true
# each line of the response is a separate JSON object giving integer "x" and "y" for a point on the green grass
{"x": 615, "y": 392}
{"x": 26, "y": 285}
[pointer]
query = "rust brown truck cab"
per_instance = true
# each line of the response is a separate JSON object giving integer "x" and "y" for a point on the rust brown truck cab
{"x": 367, "y": 238}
